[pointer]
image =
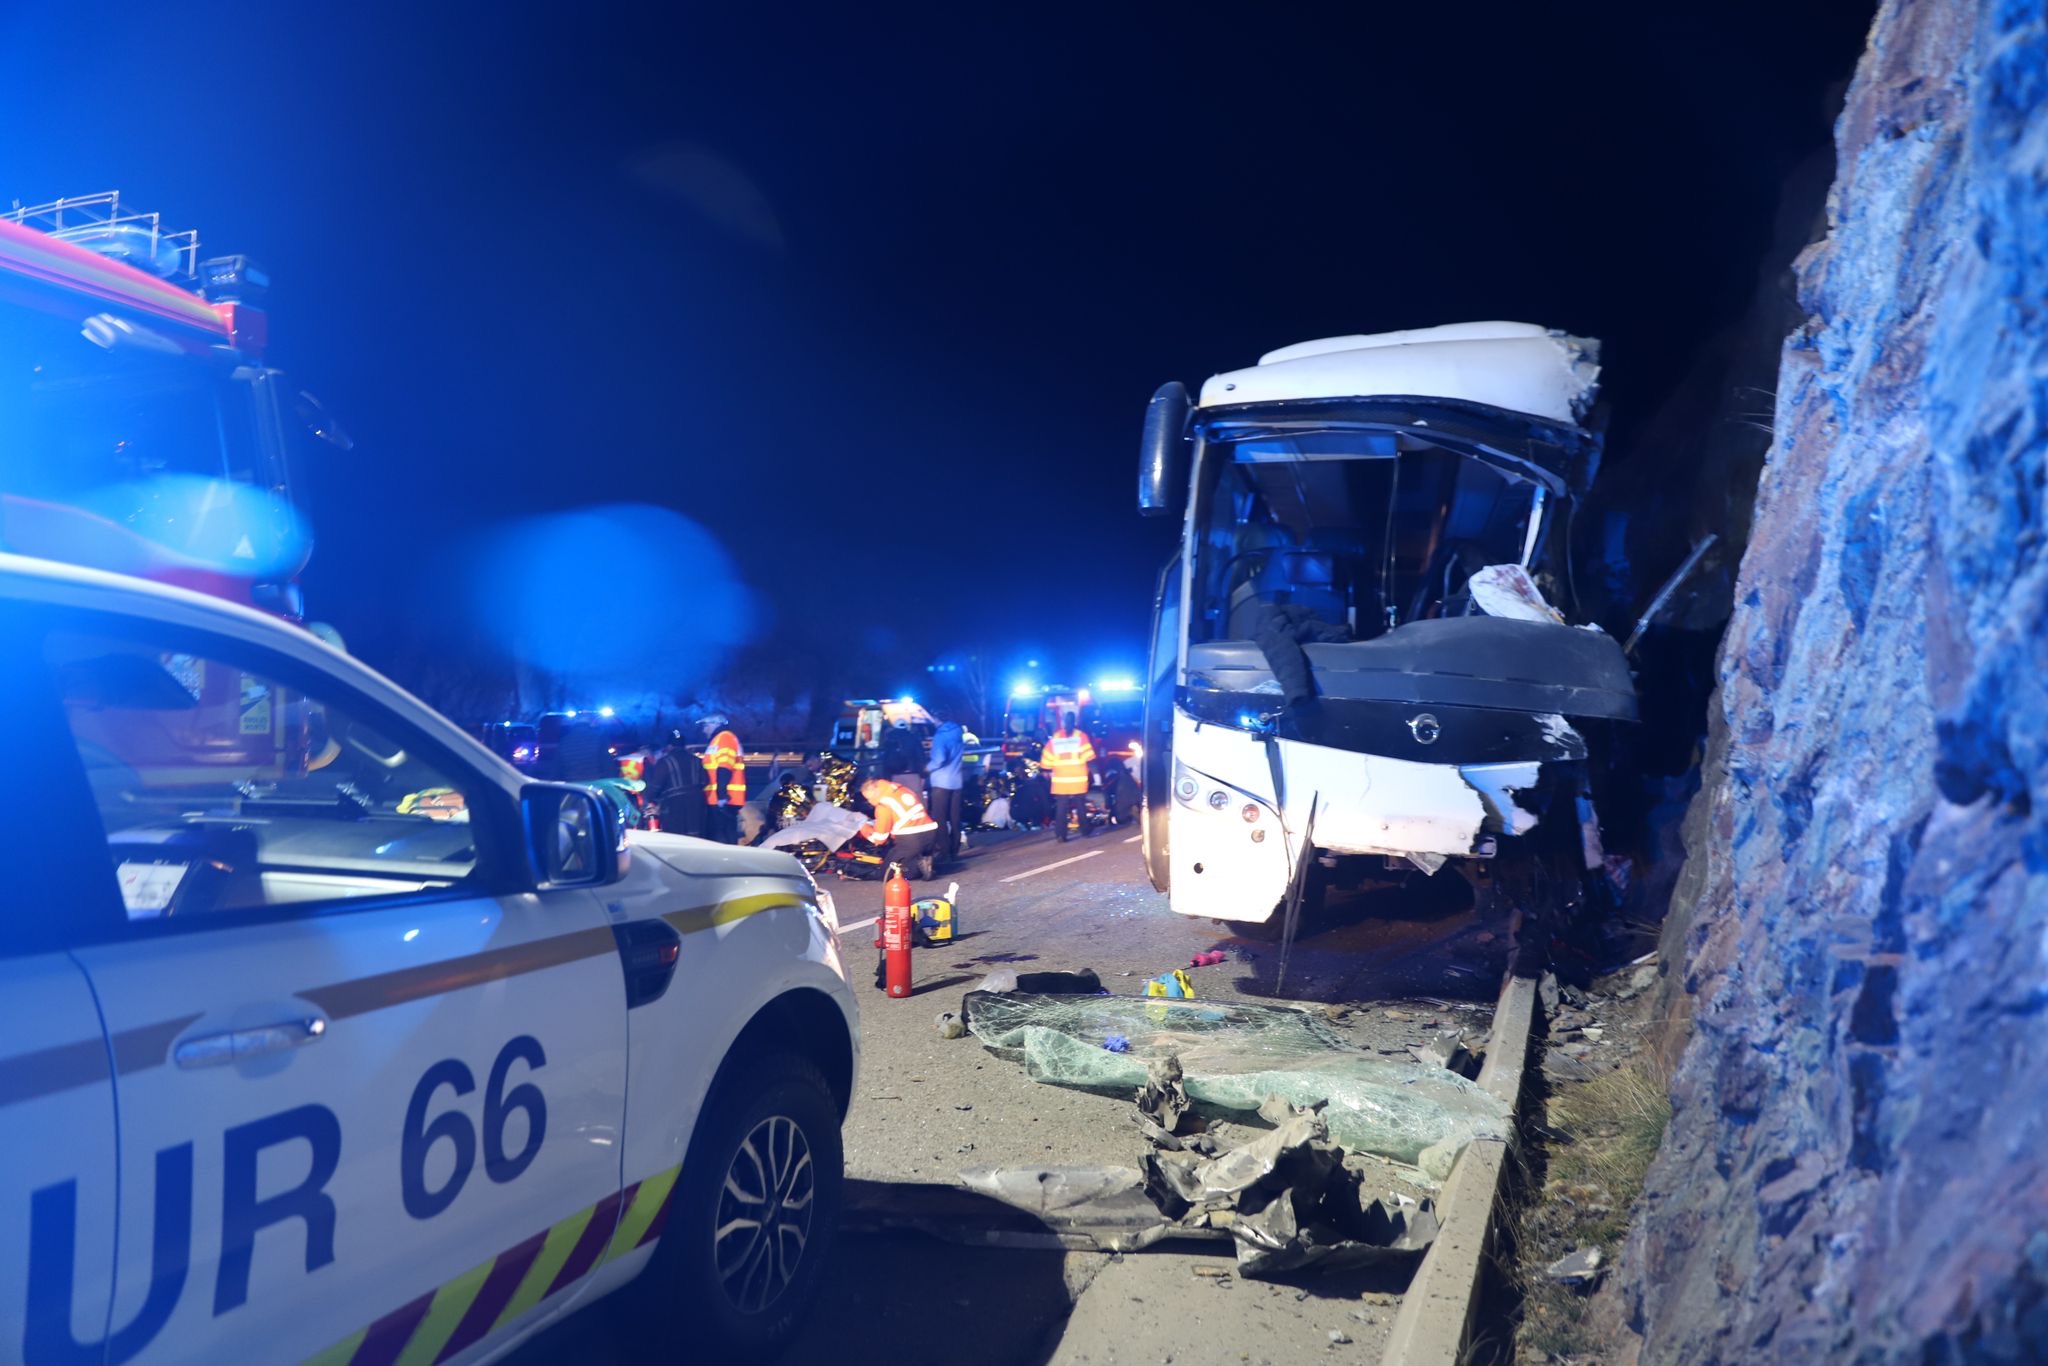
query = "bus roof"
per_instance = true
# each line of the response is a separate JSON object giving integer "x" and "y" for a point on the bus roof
{"x": 1520, "y": 367}
{"x": 38, "y": 256}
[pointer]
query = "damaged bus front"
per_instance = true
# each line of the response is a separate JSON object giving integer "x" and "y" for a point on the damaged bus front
{"x": 1355, "y": 656}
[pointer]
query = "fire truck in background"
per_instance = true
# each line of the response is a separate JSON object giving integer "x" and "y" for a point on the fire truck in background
{"x": 1112, "y": 712}
{"x": 141, "y": 432}
{"x": 140, "y": 429}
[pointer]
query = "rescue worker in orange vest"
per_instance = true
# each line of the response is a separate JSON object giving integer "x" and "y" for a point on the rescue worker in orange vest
{"x": 902, "y": 827}
{"x": 725, "y": 780}
{"x": 1067, "y": 760}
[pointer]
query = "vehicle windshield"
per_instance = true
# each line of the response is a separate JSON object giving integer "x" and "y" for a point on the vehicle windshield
{"x": 164, "y": 443}
{"x": 221, "y": 789}
{"x": 1362, "y": 530}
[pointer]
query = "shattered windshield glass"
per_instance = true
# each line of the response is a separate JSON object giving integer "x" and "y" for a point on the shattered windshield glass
{"x": 1359, "y": 529}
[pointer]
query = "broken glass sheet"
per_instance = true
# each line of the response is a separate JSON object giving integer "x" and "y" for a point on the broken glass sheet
{"x": 1234, "y": 1057}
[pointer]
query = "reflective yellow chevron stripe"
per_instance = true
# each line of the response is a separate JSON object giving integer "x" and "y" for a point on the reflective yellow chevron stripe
{"x": 492, "y": 1294}
{"x": 554, "y": 1254}
{"x": 639, "y": 1216}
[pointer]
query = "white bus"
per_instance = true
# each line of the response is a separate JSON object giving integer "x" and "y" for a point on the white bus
{"x": 1355, "y": 660}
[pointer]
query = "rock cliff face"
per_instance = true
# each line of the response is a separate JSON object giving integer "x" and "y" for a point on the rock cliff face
{"x": 1857, "y": 1166}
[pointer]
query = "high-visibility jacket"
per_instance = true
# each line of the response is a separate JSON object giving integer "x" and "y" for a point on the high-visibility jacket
{"x": 1066, "y": 759}
{"x": 724, "y": 756}
{"x": 898, "y": 811}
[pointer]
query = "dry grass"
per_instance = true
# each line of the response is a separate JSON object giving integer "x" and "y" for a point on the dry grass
{"x": 1599, "y": 1137}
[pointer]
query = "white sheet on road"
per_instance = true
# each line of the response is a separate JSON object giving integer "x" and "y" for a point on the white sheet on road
{"x": 829, "y": 825}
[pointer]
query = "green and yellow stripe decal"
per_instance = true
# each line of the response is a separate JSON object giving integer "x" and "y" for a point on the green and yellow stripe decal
{"x": 731, "y": 909}
{"x": 494, "y": 1293}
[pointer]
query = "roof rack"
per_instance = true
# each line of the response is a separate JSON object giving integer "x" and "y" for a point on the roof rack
{"x": 101, "y": 223}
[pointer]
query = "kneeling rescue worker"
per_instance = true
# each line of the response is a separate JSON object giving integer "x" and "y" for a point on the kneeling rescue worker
{"x": 902, "y": 824}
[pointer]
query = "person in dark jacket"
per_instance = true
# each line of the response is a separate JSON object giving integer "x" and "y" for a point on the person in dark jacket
{"x": 942, "y": 773}
{"x": 903, "y": 758}
{"x": 673, "y": 788}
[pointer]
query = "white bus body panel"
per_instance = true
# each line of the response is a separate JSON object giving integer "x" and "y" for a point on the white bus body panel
{"x": 1364, "y": 804}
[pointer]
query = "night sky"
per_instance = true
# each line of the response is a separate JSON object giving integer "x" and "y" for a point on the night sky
{"x": 884, "y": 290}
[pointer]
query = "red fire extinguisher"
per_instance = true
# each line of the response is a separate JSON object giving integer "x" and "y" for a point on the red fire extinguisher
{"x": 896, "y": 931}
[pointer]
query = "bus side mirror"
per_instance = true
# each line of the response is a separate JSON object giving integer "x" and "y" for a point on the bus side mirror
{"x": 1163, "y": 456}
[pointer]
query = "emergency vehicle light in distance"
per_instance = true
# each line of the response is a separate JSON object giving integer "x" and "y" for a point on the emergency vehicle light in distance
{"x": 1115, "y": 685}
{"x": 1026, "y": 690}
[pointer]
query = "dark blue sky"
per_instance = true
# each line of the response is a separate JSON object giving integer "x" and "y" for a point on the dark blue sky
{"x": 763, "y": 263}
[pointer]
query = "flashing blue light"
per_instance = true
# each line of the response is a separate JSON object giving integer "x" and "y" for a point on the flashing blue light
{"x": 1030, "y": 663}
{"x": 605, "y": 712}
{"x": 908, "y": 699}
{"x": 1026, "y": 690}
{"x": 571, "y": 713}
{"x": 411, "y": 935}
{"x": 1115, "y": 685}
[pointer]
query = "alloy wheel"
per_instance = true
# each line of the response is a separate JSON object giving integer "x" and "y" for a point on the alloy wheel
{"x": 763, "y": 1223}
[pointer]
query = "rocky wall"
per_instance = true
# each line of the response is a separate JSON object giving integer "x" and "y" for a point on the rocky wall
{"x": 1857, "y": 1165}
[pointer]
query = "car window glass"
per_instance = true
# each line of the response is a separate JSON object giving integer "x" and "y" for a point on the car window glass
{"x": 221, "y": 790}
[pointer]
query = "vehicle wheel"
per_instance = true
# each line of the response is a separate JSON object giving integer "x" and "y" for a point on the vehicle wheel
{"x": 756, "y": 1208}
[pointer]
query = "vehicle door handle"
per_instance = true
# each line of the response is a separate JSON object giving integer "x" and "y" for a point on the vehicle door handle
{"x": 218, "y": 1050}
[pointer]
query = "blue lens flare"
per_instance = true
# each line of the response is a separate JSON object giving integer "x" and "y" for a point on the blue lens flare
{"x": 618, "y": 598}
{"x": 217, "y": 524}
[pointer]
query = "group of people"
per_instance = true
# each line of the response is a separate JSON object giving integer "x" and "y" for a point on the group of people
{"x": 916, "y": 794}
{"x": 700, "y": 794}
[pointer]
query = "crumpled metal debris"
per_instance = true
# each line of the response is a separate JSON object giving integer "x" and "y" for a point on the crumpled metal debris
{"x": 1285, "y": 1198}
{"x": 1163, "y": 1099}
{"x": 1580, "y": 1267}
{"x": 1234, "y": 1057}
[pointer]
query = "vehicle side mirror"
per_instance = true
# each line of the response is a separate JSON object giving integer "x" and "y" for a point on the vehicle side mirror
{"x": 1163, "y": 453}
{"x": 313, "y": 414}
{"x": 577, "y": 836}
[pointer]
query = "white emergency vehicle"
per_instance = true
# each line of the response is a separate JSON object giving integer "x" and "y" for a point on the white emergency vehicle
{"x": 318, "y": 1032}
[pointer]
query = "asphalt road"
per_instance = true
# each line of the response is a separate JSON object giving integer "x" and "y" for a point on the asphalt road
{"x": 926, "y": 1107}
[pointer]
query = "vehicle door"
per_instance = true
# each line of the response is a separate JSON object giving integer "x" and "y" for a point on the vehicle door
{"x": 56, "y": 1085}
{"x": 393, "y": 1069}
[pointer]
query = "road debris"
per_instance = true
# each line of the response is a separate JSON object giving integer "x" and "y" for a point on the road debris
{"x": 1449, "y": 1050}
{"x": 1285, "y": 1198}
{"x": 1235, "y": 1057}
{"x": 949, "y": 1026}
{"x": 1175, "y": 985}
{"x": 1580, "y": 1268}
{"x": 1082, "y": 983}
